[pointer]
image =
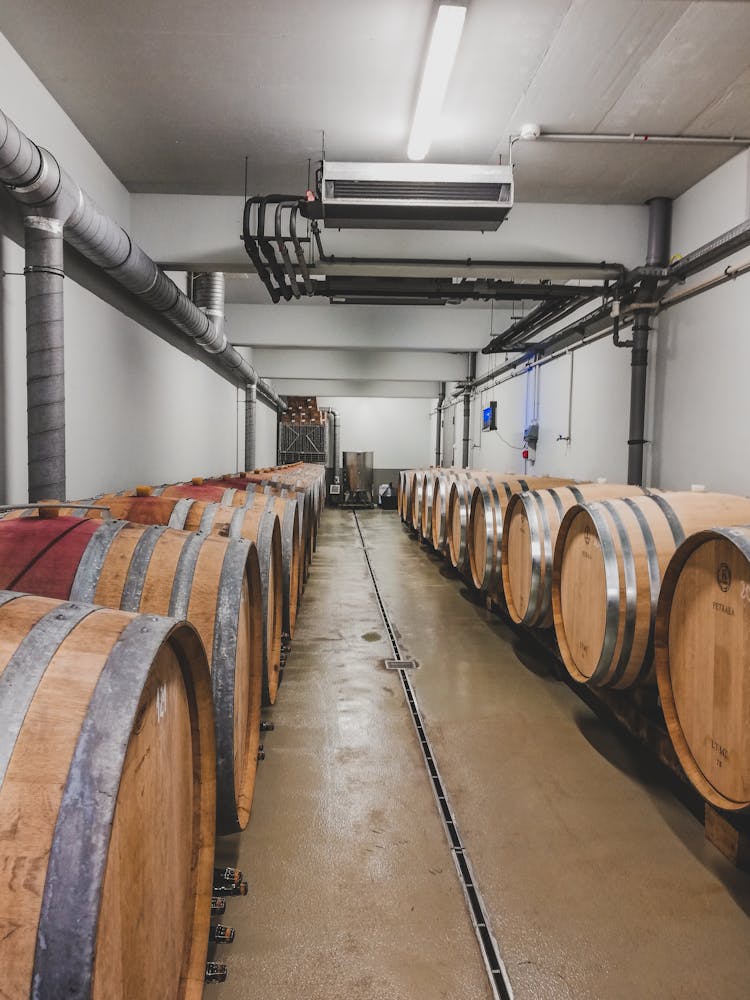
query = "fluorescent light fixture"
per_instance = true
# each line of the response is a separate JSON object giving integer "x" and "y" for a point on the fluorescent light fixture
{"x": 446, "y": 35}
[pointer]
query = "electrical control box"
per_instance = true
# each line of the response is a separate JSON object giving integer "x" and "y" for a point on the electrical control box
{"x": 489, "y": 417}
{"x": 531, "y": 435}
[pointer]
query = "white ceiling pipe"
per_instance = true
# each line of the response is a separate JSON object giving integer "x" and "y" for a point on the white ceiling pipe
{"x": 532, "y": 133}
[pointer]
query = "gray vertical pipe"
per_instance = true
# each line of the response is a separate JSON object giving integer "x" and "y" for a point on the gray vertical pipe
{"x": 251, "y": 403}
{"x": 45, "y": 357}
{"x": 467, "y": 409}
{"x": 657, "y": 255}
{"x": 336, "y": 444}
{"x": 439, "y": 426}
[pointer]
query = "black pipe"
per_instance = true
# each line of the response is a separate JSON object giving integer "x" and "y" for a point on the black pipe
{"x": 607, "y": 269}
{"x": 439, "y": 428}
{"x": 45, "y": 357}
{"x": 282, "y": 247}
{"x": 538, "y": 320}
{"x": 266, "y": 246}
{"x": 659, "y": 232}
{"x": 302, "y": 263}
{"x": 251, "y": 248}
{"x": 467, "y": 409}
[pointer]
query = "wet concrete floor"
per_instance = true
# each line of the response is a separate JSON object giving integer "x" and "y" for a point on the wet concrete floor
{"x": 597, "y": 879}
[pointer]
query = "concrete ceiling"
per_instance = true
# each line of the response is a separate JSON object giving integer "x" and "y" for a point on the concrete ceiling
{"x": 174, "y": 94}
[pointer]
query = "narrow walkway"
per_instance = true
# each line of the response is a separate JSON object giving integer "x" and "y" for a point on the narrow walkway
{"x": 598, "y": 882}
{"x": 353, "y": 893}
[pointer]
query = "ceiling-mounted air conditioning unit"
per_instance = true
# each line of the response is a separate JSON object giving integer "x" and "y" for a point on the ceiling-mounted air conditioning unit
{"x": 415, "y": 195}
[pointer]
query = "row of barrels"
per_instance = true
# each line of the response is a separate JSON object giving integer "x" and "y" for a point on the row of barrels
{"x": 140, "y": 635}
{"x": 641, "y": 587}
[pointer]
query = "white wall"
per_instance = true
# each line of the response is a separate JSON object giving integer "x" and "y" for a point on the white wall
{"x": 598, "y": 417}
{"x": 397, "y": 431}
{"x": 702, "y": 416}
{"x": 137, "y": 410}
{"x": 266, "y": 436}
{"x": 359, "y": 364}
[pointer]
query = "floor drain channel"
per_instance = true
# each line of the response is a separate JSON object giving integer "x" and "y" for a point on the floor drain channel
{"x": 493, "y": 963}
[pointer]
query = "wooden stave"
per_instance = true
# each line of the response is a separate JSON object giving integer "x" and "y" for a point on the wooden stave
{"x": 440, "y": 501}
{"x": 264, "y": 529}
{"x": 543, "y": 520}
{"x": 400, "y": 493}
{"x": 268, "y": 543}
{"x": 739, "y": 539}
{"x": 663, "y": 520}
{"x": 425, "y": 517}
{"x": 65, "y": 960}
{"x": 286, "y": 509}
{"x": 95, "y": 581}
{"x": 406, "y": 501}
{"x": 415, "y": 514}
{"x": 456, "y": 517}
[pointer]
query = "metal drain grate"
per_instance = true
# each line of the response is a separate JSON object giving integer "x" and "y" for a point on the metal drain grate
{"x": 488, "y": 946}
{"x": 400, "y": 664}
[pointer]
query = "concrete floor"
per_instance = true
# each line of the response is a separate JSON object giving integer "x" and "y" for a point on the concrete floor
{"x": 598, "y": 881}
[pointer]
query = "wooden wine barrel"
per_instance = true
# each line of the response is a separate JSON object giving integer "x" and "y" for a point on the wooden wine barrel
{"x": 606, "y": 572}
{"x": 107, "y": 803}
{"x": 212, "y": 582}
{"x": 309, "y": 478}
{"x": 201, "y": 515}
{"x": 489, "y": 496}
{"x": 256, "y": 494}
{"x": 530, "y": 527}
{"x": 459, "y": 509}
{"x": 215, "y": 518}
{"x": 702, "y": 657}
{"x": 440, "y": 501}
{"x": 301, "y": 476}
{"x": 263, "y": 527}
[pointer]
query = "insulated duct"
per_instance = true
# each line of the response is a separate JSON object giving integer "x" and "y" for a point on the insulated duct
{"x": 45, "y": 357}
{"x": 209, "y": 290}
{"x": 251, "y": 397}
{"x": 34, "y": 177}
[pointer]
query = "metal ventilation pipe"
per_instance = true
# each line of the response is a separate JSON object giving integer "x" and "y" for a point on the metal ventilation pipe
{"x": 209, "y": 290}
{"x": 45, "y": 357}
{"x": 251, "y": 399}
{"x": 439, "y": 428}
{"x": 34, "y": 177}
